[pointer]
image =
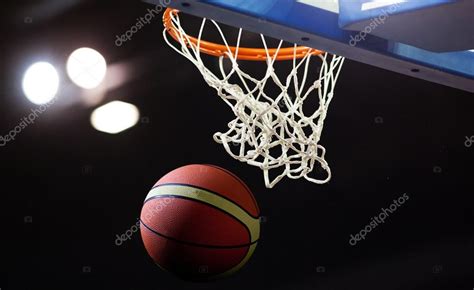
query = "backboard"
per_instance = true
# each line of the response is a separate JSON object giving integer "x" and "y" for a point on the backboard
{"x": 412, "y": 37}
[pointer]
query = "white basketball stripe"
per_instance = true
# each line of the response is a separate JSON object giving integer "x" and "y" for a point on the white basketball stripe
{"x": 210, "y": 198}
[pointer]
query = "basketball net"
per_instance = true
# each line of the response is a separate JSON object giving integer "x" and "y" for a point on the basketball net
{"x": 269, "y": 131}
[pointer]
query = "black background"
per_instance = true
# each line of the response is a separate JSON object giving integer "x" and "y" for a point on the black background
{"x": 68, "y": 190}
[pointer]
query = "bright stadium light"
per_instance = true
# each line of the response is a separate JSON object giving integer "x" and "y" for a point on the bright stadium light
{"x": 115, "y": 117}
{"x": 40, "y": 83}
{"x": 86, "y": 68}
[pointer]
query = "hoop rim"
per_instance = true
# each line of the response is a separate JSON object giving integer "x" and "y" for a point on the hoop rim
{"x": 244, "y": 53}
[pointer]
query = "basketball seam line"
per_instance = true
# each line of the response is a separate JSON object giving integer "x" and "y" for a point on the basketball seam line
{"x": 212, "y": 206}
{"x": 241, "y": 182}
{"x": 196, "y": 244}
{"x": 213, "y": 192}
{"x": 234, "y": 267}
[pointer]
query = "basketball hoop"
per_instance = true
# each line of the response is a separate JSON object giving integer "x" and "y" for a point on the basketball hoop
{"x": 265, "y": 123}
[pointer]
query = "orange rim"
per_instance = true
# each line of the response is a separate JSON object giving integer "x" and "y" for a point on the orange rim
{"x": 245, "y": 53}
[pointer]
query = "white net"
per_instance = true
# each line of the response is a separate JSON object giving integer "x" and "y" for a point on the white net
{"x": 271, "y": 132}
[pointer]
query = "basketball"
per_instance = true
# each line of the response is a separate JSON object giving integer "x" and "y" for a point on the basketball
{"x": 112, "y": 122}
{"x": 200, "y": 222}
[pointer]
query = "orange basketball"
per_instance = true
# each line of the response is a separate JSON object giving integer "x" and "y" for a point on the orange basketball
{"x": 200, "y": 222}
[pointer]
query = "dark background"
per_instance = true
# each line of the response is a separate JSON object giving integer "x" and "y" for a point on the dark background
{"x": 68, "y": 190}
